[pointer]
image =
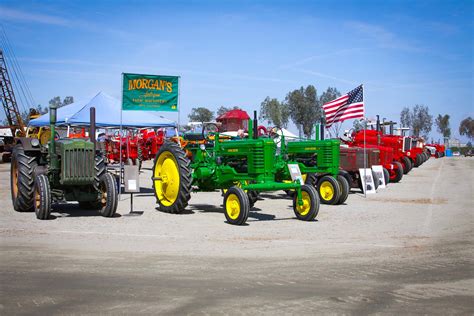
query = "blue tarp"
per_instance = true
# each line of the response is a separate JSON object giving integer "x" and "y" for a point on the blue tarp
{"x": 107, "y": 111}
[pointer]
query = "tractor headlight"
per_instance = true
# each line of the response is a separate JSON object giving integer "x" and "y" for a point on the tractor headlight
{"x": 202, "y": 146}
{"x": 35, "y": 142}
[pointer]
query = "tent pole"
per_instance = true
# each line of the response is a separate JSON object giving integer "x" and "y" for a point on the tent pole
{"x": 120, "y": 139}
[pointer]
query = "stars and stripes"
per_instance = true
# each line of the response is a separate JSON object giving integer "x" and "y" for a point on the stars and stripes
{"x": 348, "y": 106}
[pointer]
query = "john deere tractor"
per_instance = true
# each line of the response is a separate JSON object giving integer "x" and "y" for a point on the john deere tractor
{"x": 236, "y": 166}
{"x": 61, "y": 170}
{"x": 318, "y": 161}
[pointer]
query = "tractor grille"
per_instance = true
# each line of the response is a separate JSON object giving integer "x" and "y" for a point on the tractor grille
{"x": 258, "y": 157}
{"x": 406, "y": 144}
{"x": 78, "y": 166}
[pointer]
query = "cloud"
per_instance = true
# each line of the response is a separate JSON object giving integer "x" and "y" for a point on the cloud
{"x": 381, "y": 36}
{"x": 22, "y": 16}
{"x": 321, "y": 56}
{"x": 322, "y": 75}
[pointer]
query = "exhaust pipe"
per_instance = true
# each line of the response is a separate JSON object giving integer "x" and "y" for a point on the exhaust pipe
{"x": 391, "y": 128}
{"x": 378, "y": 124}
{"x": 322, "y": 126}
{"x": 255, "y": 125}
{"x": 92, "y": 127}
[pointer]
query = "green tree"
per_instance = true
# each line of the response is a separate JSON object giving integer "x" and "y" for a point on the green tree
{"x": 304, "y": 108}
{"x": 405, "y": 117}
{"x": 274, "y": 112}
{"x": 201, "y": 114}
{"x": 68, "y": 100}
{"x": 418, "y": 119}
{"x": 466, "y": 128}
{"x": 223, "y": 109}
{"x": 327, "y": 96}
{"x": 57, "y": 101}
{"x": 442, "y": 124}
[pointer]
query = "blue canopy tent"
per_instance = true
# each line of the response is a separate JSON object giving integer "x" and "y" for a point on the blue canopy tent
{"x": 107, "y": 111}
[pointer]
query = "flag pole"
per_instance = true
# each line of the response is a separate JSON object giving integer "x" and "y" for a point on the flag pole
{"x": 365, "y": 151}
{"x": 120, "y": 139}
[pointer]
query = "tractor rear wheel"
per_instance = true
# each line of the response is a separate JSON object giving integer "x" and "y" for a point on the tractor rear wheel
{"x": 310, "y": 208}
{"x": 344, "y": 188}
{"x": 42, "y": 197}
{"x": 171, "y": 178}
{"x": 328, "y": 189}
{"x": 386, "y": 176}
{"x": 236, "y": 205}
{"x": 397, "y": 172}
{"x": 22, "y": 180}
{"x": 406, "y": 163}
{"x": 108, "y": 198}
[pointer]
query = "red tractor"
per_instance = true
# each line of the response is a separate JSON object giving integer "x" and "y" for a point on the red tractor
{"x": 129, "y": 148}
{"x": 435, "y": 150}
{"x": 385, "y": 158}
{"x": 352, "y": 159}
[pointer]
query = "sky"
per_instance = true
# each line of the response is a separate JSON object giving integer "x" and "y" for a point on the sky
{"x": 236, "y": 53}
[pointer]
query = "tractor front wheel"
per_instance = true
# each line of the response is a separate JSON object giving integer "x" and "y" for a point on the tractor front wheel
{"x": 108, "y": 195}
{"x": 344, "y": 188}
{"x": 328, "y": 189}
{"x": 407, "y": 166}
{"x": 310, "y": 208}
{"x": 237, "y": 206}
{"x": 42, "y": 197}
{"x": 396, "y": 173}
{"x": 171, "y": 178}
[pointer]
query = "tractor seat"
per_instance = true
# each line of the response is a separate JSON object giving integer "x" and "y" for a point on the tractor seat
{"x": 193, "y": 137}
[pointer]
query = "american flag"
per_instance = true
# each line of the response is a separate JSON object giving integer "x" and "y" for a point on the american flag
{"x": 349, "y": 106}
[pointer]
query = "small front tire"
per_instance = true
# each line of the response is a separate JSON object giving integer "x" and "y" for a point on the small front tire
{"x": 236, "y": 206}
{"x": 42, "y": 197}
{"x": 310, "y": 208}
{"x": 108, "y": 195}
{"x": 328, "y": 190}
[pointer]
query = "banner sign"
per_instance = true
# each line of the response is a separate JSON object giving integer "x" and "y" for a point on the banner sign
{"x": 150, "y": 92}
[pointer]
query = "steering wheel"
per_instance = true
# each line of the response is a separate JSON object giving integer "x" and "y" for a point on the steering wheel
{"x": 209, "y": 129}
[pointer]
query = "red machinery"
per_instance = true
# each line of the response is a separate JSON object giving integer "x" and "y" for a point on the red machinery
{"x": 129, "y": 148}
{"x": 435, "y": 150}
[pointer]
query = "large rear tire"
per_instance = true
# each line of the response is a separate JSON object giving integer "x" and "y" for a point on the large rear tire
{"x": 42, "y": 197}
{"x": 328, "y": 190}
{"x": 344, "y": 188}
{"x": 22, "y": 180}
{"x": 310, "y": 208}
{"x": 171, "y": 178}
{"x": 236, "y": 206}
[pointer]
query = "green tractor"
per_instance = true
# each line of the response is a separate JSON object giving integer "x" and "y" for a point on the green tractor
{"x": 62, "y": 170}
{"x": 318, "y": 161}
{"x": 238, "y": 167}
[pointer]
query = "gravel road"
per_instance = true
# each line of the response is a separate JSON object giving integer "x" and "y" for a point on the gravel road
{"x": 406, "y": 250}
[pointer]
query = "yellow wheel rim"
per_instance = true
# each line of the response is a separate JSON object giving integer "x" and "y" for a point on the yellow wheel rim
{"x": 326, "y": 190}
{"x": 167, "y": 180}
{"x": 306, "y": 207}
{"x": 232, "y": 206}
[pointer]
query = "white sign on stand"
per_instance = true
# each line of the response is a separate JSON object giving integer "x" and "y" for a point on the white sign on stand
{"x": 295, "y": 172}
{"x": 378, "y": 170}
{"x": 368, "y": 185}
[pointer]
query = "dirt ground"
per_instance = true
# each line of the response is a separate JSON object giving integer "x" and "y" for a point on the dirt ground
{"x": 406, "y": 250}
